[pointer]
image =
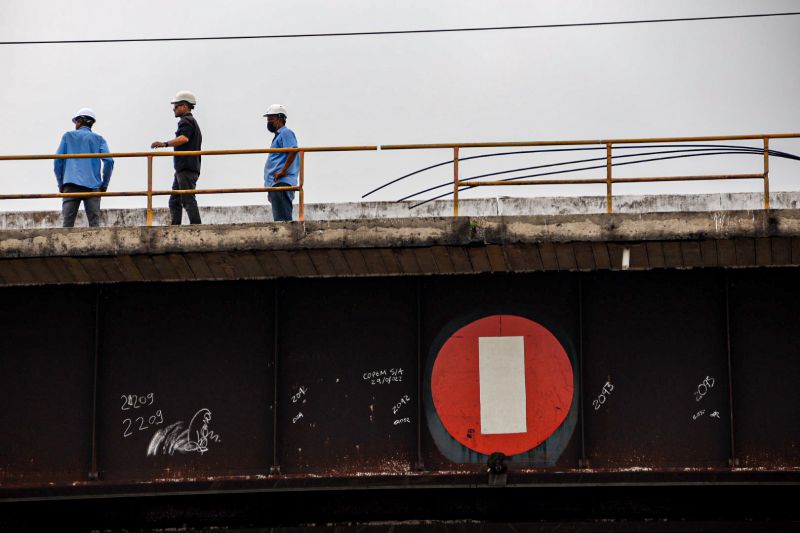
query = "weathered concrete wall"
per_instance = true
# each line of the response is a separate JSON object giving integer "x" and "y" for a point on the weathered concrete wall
{"x": 503, "y": 206}
{"x": 400, "y": 233}
{"x": 379, "y": 245}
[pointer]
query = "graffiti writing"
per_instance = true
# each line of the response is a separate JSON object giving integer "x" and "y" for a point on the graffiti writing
{"x": 141, "y": 423}
{"x": 383, "y": 377}
{"x": 197, "y": 436}
{"x": 608, "y": 388}
{"x": 302, "y": 391}
{"x": 703, "y": 388}
{"x": 403, "y": 401}
{"x": 135, "y": 401}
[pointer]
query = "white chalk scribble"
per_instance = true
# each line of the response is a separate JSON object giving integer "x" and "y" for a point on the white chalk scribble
{"x": 174, "y": 438}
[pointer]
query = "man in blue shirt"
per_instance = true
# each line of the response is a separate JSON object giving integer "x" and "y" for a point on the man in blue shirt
{"x": 282, "y": 168}
{"x": 82, "y": 175}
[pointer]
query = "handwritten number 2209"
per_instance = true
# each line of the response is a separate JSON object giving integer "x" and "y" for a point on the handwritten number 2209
{"x": 130, "y": 425}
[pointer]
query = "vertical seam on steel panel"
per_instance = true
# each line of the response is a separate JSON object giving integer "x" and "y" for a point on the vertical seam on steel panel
{"x": 582, "y": 463}
{"x": 732, "y": 460}
{"x": 93, "y": 474}
{"x": 420, "y": 461}
{"x": 275, "y": 469}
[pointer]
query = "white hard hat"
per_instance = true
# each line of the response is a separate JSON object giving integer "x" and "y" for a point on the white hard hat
{"x": 276, "y": 109}
{"x": 84, "y": 112}
{"x": 184, "y": 96}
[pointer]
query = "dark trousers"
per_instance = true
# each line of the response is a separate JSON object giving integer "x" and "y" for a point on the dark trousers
{"x": 281, "y": 202}
{"x": 69, "y": 208}
{"x": 184, "y": 180}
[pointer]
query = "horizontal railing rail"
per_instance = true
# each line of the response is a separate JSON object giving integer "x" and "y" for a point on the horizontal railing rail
{"x": 150, "y": 192}
{"x": 458, "y": 183}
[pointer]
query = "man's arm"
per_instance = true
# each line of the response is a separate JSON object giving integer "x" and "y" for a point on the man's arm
{"x": 177, "y": 141}
{"x": 289, "y": 160}
{"x": 108, "y": 166}
{"x": 59, "y": 164}
{"x": 287, "y": 141}
{"x": 185, "y": 131}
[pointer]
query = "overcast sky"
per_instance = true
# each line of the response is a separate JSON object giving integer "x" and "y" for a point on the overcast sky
{"x": 676, "y": 79}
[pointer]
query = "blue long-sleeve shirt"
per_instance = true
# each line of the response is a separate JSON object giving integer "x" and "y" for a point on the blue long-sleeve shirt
{"x": 84, "y": 172}
{"x": 284, "y": 138}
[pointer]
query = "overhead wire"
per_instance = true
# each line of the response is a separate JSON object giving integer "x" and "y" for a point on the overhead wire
{"x": 402, "y": 32}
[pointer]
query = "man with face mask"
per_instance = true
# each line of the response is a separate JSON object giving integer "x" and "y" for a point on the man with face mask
{"x": 282, "y": 168}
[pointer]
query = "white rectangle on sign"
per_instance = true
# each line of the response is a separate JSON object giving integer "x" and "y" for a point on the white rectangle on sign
{"x": 501, "y": 366}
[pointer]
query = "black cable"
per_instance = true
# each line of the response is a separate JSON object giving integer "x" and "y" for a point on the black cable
{"x": 551, "y": 150}
{"x": 402, "y": 32}
{"x": 754, "y": 151}
{"x": 747, "y": 149}
{"x": 449, "y": 161}
{"x": 465, "y": 187}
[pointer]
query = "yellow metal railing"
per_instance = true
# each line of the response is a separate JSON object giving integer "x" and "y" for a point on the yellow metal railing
{"x": 150, "y": 192}
{"x": 609, "y": 180}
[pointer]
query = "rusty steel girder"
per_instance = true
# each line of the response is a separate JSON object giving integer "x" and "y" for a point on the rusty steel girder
{"x": 677, "y": 376}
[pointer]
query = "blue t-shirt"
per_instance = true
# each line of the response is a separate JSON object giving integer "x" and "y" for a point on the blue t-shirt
{"x": 84, "y": 172}
{"x": 284, "y": 138}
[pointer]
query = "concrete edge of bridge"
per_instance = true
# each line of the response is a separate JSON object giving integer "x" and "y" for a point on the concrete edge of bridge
{"x": 400, "y": 233}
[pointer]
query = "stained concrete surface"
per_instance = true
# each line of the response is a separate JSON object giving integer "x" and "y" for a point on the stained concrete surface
{"x": 400, "y": 233}
{"x": 482, "y": 207}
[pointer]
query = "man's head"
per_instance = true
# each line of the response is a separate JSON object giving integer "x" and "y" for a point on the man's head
{"x": 183, "y": 103}
{"x": 276, "y": 117}
{"x": 84, "y": 117}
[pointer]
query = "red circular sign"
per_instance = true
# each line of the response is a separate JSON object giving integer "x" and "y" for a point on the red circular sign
{"x": 502, "y": 384}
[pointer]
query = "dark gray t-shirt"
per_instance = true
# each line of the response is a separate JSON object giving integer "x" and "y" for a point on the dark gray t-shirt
{"x": 189, "y": 127}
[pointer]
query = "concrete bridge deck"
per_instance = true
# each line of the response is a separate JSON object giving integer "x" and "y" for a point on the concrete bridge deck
{"x": 404, "y": 246}
{"x": 477, "y": 207}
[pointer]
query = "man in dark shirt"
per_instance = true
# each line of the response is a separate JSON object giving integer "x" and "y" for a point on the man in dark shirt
{"x": 188, "y": 138}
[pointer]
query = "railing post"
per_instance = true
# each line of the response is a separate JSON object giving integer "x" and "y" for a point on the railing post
{"x": 609, "y": 207}
{"x": 766, "y": 172}
{"x": 149, "y": 190}
{"x": 302, "y": 209}
{"x": 455, "y": 181}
